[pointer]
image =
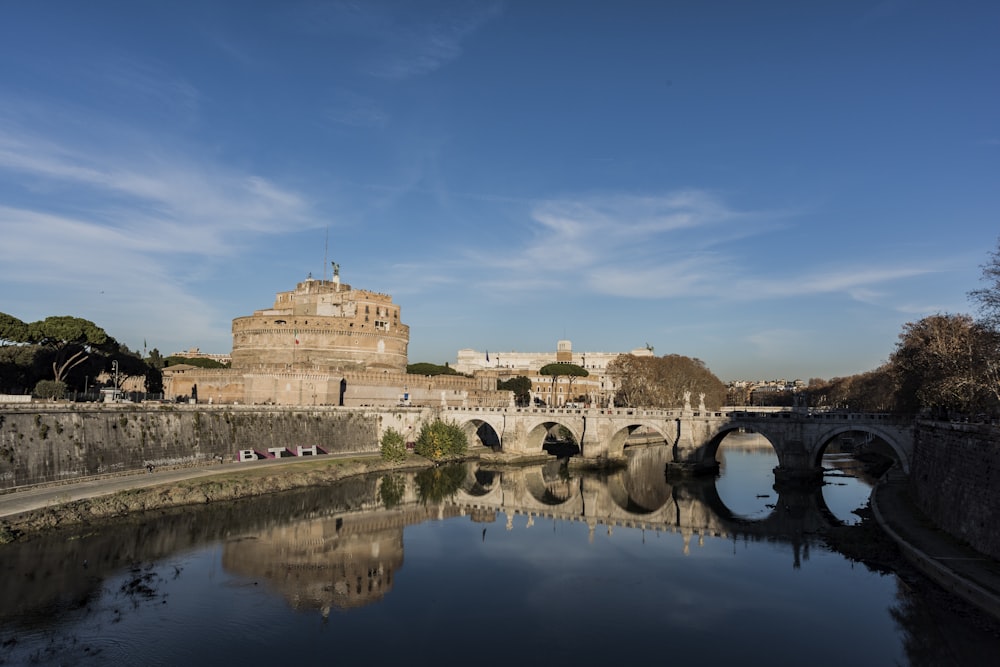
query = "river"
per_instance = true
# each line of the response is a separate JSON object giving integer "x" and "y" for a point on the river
{"x": 500, "y": 566}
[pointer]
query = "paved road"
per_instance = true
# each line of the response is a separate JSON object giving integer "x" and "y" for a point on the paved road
{"x": 954, "y": 565}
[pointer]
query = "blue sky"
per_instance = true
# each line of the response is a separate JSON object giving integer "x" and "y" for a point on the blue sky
{"x": 772, "y": 187}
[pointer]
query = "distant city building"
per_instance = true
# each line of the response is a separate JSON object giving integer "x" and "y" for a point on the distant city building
{"x": 596, "y": 389}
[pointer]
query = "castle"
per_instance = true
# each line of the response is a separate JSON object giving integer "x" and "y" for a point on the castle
{"x": 325, "y": 343}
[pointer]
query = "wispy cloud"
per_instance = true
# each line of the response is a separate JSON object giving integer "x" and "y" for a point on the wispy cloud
{"x": 355, "y": 110}
{"x": 178, "y": 193}
{"x": 400, "y": 42}
{"x": 125, "y": 230}
{"x": 143, "y": 81}
{"x": 850, "y": 279}
{"x": 649, "y": 246}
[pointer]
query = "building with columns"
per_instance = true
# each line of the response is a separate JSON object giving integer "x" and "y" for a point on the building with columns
{"x": 596, "y": 389}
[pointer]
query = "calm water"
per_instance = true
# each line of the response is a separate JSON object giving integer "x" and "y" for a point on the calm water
{"x": 484, "y": 567}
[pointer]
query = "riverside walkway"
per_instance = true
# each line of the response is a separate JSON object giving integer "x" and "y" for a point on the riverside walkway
{"x": 954, "y": 566}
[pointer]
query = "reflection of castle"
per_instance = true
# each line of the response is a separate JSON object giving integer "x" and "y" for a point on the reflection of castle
{"x": 324, "y": 343}
{"x": 330, "y": 563}
{"x": 315, "y": 567}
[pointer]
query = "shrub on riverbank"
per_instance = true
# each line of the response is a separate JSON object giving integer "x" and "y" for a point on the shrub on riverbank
{"x": 440, "y": 440}
{"x": 393, "y": 446}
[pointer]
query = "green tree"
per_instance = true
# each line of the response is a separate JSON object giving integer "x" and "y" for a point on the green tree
{"x": 393, "y": 446}
{"x": 156, "y": 360}
{"x": 520, "y": 385}
{"x": 562, "y": 369}
{"x": 12, "y": 330}
{"x": 424, "y": 368}
{"x": 50, "y": 389}
{"x": 71, "y": 338}
{"x": 439, "y": 440}
{"x": 200, "y": 362}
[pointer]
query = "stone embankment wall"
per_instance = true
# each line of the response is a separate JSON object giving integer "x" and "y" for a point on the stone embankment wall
{"x": 41, "y": 444}
{"x": 955, "y": 476}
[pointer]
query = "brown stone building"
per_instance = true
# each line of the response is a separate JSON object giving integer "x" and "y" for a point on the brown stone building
{"x": 324, "y": 343}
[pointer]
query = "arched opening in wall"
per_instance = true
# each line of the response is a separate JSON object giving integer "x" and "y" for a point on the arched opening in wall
{"x": 343, "y": 390}
{"x": 746, "y": 473}
{"x": 560, "y": 442}
{"x": 486, "y": 435}
{"x": 641, "y": 436}
{"x": 852, "y": 462}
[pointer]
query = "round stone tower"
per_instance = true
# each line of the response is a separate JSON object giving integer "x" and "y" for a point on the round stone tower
{"x": 322, "y": 325}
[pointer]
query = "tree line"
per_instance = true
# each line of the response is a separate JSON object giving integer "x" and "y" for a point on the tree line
{"x": 62, "y": 355}
{"x": 944, "y": 365}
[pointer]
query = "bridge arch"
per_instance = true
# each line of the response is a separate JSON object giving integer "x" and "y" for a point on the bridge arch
{"x": 826, "y": 437}
{"x": 711, "y": 448}
{"x": 618, "y": 438}
{"x": 485, "y": 430}
{"x": 538, "y": 430}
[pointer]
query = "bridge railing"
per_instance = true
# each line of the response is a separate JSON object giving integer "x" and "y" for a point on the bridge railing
{"x": 818, "y": 414}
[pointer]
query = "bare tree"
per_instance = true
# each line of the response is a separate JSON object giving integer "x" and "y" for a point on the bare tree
{"x": 988, "y": 297}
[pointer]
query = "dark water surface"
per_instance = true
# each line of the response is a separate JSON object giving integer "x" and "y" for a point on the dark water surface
{"x": 487, "y": 567}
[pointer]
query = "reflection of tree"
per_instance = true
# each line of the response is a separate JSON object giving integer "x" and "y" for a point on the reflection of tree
{"x": 439, "y": 483}
{"x": 391, "y": 490}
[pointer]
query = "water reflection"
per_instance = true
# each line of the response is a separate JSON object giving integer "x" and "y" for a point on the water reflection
{"x": 681, "y": 552}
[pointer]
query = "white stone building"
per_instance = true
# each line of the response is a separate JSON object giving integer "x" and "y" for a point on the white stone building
{"x": 596, "y": 389}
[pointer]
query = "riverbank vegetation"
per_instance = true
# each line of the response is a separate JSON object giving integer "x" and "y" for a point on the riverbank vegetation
{"x": 441, "y": 440}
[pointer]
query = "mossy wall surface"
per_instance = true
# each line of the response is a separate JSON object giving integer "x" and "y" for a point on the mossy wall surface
{"x": 50, "y": 444}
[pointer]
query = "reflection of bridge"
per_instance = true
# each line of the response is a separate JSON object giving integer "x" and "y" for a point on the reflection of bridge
{"x": 332, "y": 556}
{"x": 799, "y": 437}
{"x": 638, "y": 496}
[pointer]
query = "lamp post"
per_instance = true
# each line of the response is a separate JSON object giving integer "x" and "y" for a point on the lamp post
{"x": 114, "y": 369}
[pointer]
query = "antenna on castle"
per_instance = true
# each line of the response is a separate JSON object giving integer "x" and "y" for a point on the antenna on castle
{"x": 326, "y": 244}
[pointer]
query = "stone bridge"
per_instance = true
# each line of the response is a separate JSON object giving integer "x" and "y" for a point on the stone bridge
{"x": 799, "y": 436}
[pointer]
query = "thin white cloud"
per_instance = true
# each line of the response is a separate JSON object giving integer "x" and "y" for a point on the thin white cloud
{"x": 427, "y": 44}
{"x": 399, "y": 42}
{"x": 355, "y": 110}
{"x": 626, "y": 245}
{"x": 849, "y": 279}
{"x": 137, "y": 80}
{"x": 177, "y": 193}
{"x": 120, "y": 235}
